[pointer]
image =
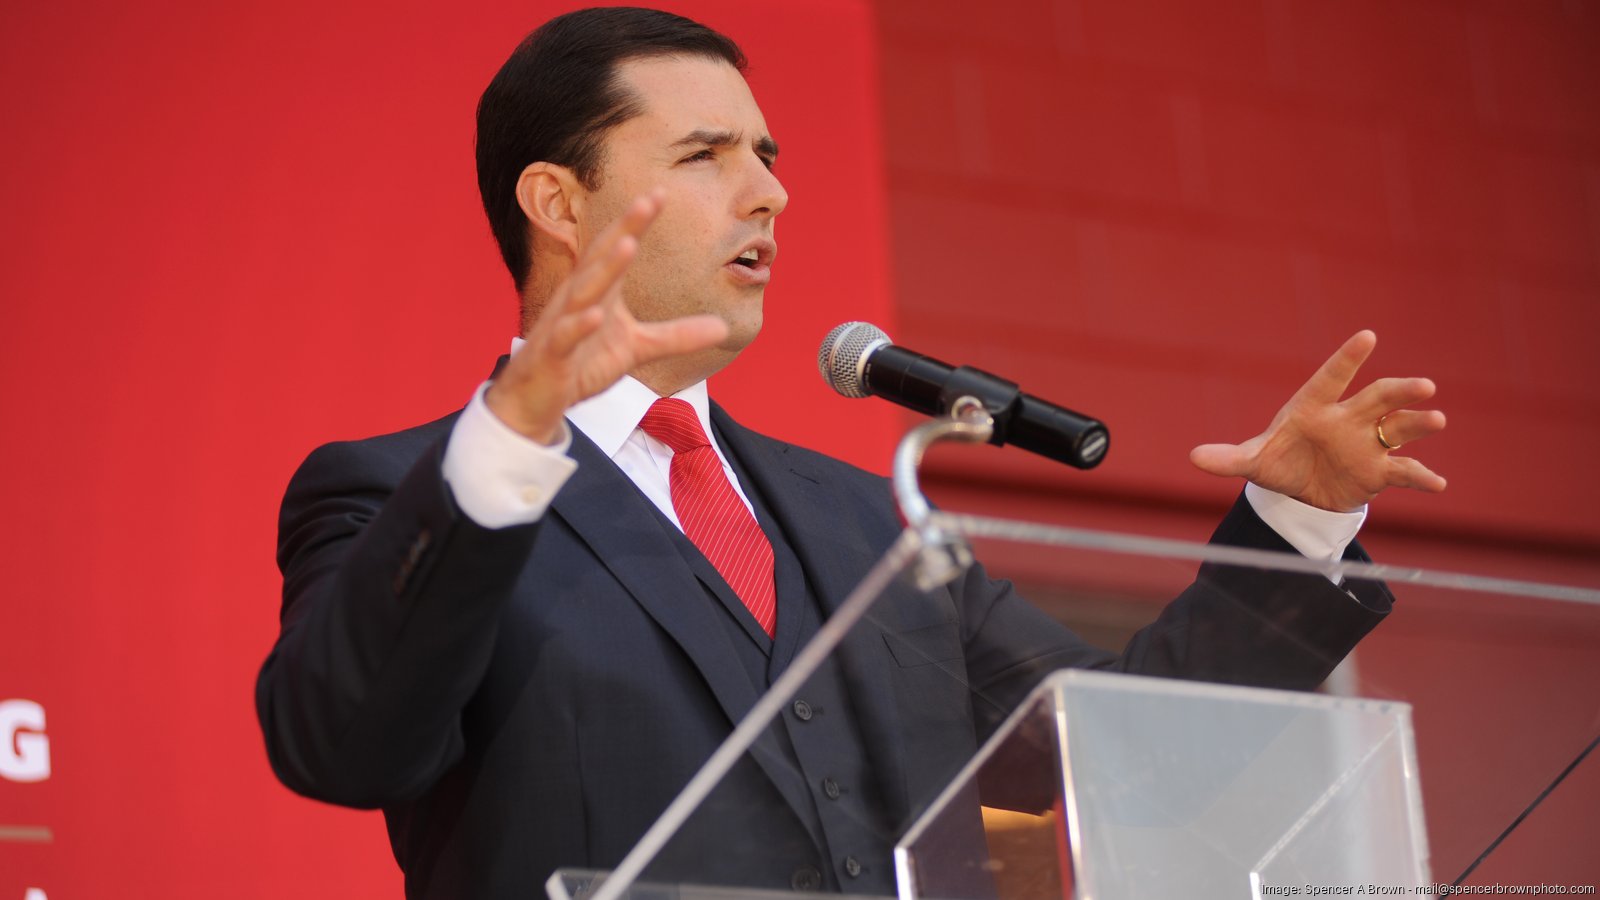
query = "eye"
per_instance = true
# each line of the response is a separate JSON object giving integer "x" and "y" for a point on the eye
{"x": 700, "y": 155}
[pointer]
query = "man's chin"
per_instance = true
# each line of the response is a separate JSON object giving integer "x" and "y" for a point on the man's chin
{"x": 742, "y": 332}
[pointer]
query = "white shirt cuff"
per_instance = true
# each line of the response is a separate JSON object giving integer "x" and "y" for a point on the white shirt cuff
{"x": 1318, "y": 534}
{"x": 499, "y": 477}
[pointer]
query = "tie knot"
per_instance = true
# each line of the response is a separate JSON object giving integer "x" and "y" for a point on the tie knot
{"x": 673, "y": 422}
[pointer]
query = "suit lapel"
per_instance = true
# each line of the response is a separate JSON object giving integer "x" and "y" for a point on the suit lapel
{"x": 621, "y": 528}
{"x": 627, "y": 535}
{"x": 831, "y": 545}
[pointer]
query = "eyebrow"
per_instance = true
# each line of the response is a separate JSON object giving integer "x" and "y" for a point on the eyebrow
{"x": 764, "y": 146}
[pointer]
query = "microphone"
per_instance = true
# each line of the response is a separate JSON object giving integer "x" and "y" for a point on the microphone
{"x": 858, "y": 360}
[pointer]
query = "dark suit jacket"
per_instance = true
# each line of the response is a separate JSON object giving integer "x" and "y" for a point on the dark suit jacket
{"x": 532, "y": 697}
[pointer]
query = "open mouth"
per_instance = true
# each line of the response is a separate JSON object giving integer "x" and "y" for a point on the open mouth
{"x": 753, "y": 266}
{"x": 756, "y": 257}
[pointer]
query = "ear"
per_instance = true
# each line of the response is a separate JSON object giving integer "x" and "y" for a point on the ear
{"x": 551, "y": 197}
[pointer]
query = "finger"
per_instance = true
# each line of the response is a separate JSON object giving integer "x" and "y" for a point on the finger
{"x": 598, "y": 265}
{"x": 592, "y": 281}
{"x": 1389, "y": 394}
{"x": 655, "y": 340}
{"x": 570, "y": 330}
{"x": 1226, "y": 460}
{"x": 1407, "y": 425}
{"x": 1329, "y": 382}
{"x": 1407, "y": 472}
{"x": 633, "y": 222}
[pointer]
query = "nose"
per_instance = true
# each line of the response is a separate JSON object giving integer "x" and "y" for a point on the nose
{"x": 765, "y": 196}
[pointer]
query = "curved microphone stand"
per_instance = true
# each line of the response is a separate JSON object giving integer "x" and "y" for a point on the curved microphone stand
{"x": 942, "y": 556}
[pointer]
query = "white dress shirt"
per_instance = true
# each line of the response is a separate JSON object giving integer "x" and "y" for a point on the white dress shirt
{"x": 501, "y": 478}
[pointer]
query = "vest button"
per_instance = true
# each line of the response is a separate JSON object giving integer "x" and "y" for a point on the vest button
{"x": 806, "y": 878}
{"x": 852, "y": 866}
{"x": 802, "y": 710}
{"x": 831, "y": 788}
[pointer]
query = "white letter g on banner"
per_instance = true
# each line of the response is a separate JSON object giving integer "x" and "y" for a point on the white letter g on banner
{"x": 24, "y": 748}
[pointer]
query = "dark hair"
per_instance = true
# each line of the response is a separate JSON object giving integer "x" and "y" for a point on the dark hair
{"x": 558, "y": 95}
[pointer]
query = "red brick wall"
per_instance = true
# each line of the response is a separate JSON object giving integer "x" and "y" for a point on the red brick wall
{"x": 1168, "y": 213}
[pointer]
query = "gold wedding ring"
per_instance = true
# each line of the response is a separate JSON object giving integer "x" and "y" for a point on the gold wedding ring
{"x": 1384, "y": 440}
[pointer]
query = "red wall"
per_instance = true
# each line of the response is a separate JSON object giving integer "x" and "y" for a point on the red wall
{"x": 229, "y": 235}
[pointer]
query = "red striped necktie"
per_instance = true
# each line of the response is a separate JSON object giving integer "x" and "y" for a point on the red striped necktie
{"x": 710, "y": 510}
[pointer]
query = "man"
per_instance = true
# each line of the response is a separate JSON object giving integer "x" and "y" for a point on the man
{"x": 520, "y": 629}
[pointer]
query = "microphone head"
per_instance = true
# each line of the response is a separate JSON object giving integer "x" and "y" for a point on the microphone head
{"x": 842, "y": 358}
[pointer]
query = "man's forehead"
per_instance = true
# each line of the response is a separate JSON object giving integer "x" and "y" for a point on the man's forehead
{"x": 680, "y": 96}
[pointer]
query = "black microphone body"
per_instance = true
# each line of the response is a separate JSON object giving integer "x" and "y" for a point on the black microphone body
{"x": 931, "y": 387}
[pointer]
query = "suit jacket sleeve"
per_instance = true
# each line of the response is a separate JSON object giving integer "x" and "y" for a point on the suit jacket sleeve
{"x": 390, "y": 601}
{"x": 1233, "y": 625}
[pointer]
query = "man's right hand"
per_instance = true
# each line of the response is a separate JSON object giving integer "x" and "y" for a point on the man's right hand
{"x": 585, "y": 338}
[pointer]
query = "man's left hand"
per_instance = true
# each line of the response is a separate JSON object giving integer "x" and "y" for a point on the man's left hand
{"x": 1330, "y": 453}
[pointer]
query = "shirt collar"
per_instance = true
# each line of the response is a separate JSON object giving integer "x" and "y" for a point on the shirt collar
{"x": 610, "y": 417}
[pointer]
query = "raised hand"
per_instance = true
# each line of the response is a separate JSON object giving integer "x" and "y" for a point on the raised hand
{"x": 585, "y": 338}
{"x": 1331, "y": 453}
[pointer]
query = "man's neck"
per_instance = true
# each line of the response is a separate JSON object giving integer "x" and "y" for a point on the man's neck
{"x": 669, "y": 376}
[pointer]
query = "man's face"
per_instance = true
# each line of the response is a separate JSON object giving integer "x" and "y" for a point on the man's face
{"x": 702, "y": 139}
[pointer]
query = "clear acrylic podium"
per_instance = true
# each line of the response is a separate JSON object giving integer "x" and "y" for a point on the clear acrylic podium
{"x": 1161, "y": 788}
{"x": 1111, "y": 786}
